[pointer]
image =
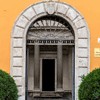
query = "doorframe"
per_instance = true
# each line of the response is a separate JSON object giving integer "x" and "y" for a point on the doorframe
{"x": 41, "y": 59}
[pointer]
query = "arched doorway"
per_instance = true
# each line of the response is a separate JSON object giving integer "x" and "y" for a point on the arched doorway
{"x": 50, "y": 58}
{"x": 19, "y": 38}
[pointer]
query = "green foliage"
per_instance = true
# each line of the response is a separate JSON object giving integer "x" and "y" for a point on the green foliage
{"x": 8, "y": 88}
{"x": 90, "y": 87}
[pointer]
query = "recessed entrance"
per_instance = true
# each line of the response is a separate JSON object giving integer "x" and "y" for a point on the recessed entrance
{"x": 50, "y": 71}
{"x": 48, "y": 75}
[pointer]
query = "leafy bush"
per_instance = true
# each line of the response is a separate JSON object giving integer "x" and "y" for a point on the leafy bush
{"x": 90, "y": 87}
{"x": 8, "y": 88}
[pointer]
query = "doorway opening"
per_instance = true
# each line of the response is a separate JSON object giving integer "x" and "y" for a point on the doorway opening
{"x": 48, "y": 75}
{"x": 51, "y": 57}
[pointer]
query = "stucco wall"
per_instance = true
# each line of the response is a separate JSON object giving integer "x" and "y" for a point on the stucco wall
{"x": 11, "y": 9}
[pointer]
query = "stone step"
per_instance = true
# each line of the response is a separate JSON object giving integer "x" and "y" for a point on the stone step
{"x": 49, "y": 99}
{"x": 49, "y": 94}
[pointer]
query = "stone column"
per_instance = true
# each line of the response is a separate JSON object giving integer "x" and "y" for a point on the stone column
{"x": 73, "y": 72}
{"x": 36, "y": 67}
{"x": 27, "y": 71}
{"x": 59, "y": 68}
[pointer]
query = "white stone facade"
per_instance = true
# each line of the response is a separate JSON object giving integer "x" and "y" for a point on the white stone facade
{"x": 18, "y": 45}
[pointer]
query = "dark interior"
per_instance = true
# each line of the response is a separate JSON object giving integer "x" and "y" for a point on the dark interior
{"x": 48, "y": 75}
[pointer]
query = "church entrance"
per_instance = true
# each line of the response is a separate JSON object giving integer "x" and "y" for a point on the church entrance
{"x": 48, "y": 74}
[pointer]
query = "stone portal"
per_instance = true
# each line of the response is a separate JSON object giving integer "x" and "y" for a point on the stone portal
{"x": 69, "y": 28}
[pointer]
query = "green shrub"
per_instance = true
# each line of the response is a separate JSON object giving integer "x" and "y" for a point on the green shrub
{"x": 90, "y": 87}
{"x": 8, "y": 88}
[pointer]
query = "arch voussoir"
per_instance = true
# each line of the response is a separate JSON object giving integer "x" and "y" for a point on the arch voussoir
{"x": 29, "y": 13}
{"x": 22, "y": 22}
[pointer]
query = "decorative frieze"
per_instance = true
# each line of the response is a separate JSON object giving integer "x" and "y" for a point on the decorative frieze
{"x": 50, "y": 42}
